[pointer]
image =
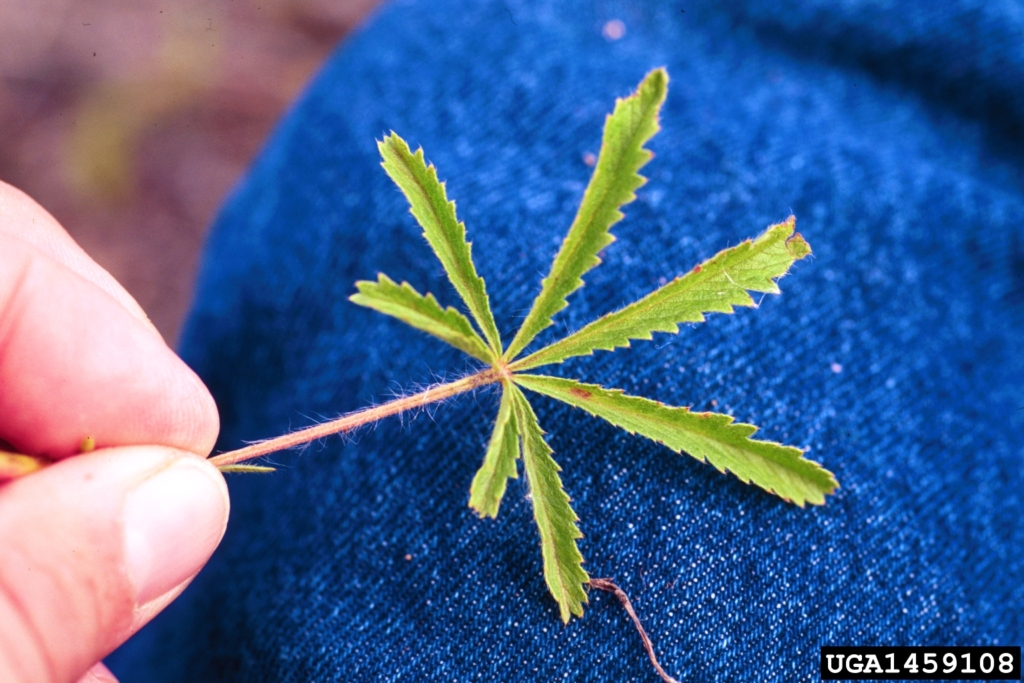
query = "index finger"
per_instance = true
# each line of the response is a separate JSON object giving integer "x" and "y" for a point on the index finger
{"x": 22, "y": 217}
{"x": 76, "y": 362}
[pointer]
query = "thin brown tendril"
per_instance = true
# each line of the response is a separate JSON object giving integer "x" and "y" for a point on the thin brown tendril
{"x": 609, "y": 586}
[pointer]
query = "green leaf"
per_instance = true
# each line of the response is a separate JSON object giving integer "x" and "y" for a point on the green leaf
{"x": 500, "y": 461}
{"x": 556, "y": 521}
{"x": 778, "y": 469}
{"x": 614, "y": 182}
{"x": 717, "y": 285}
{"x": 446, "y": 235}
{"x": 423, "y": 313}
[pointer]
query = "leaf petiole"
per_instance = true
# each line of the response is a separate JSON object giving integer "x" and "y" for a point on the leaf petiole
{"x": 358, "y": 418}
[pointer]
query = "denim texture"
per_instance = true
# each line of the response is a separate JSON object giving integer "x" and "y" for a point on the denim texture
{"x": 893, "y": 131}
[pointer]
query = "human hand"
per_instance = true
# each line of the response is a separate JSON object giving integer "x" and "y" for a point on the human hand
{"x": 92, "y": 547}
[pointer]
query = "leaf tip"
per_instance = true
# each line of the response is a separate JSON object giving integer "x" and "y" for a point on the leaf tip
{"x": 798, "y": 246}
{"x": 387, "y": 141}
{"x": 656, "y": 80}
{"x": 826, "y": 488}
{"x": 575, "y": 610}
{"x": 481, "y": 512}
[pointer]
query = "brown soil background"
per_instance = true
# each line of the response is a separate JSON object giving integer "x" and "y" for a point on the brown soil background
{"x": 130, "y": 120}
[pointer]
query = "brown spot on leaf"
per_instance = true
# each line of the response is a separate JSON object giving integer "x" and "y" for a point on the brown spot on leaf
{"x": 579, "y": 393}
{"x": 697, "y": 268}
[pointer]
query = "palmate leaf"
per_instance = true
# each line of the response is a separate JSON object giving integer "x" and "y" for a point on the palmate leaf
{"x": 556, "y": 521}
{"x": 499, "y": 465}
{"x": 422, "y": 312}
{"x": 614, "y": 182}
{"x": 429, "y": 203}
{"x": 717, "y": 285}
{"x": 727, "y": 445}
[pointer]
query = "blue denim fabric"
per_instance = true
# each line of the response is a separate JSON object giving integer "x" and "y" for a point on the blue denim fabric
{"x": 893, "y": 131}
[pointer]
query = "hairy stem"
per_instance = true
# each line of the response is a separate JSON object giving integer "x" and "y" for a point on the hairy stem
{"x": 358, "y": 418}
{"x": 609, "y": 586}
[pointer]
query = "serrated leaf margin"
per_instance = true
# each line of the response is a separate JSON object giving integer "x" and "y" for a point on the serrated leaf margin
{"x": 555, "y": 518}
{"x": 708, "y": 437}
{"x": 499, "y": 463}
{"x": 633, "y": 122}
{"x": 429, "y": 204}
{"x": 422, "y": 312}
{"x": 774, "y": 252}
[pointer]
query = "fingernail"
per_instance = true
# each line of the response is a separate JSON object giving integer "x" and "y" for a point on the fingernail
{"x": 173, "y": 522}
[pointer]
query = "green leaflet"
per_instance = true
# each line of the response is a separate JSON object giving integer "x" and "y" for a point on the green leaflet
{"x": 778, "y": 469}
{"x": 423, "y": 313}
{"x": 248, "y": 469}
{"x": 500, "y": 461}
{"x": 633, "y": 122}
{"x": 556, "y": 521}
{"x": 717, "y": 285}
{"x": 446, "y": 235}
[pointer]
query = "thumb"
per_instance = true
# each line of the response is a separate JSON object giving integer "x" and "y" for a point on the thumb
{"x": 93, "y": 547}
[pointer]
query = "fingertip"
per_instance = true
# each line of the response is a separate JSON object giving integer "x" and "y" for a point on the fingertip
{"x": 173, "y": 521}
{"x": 23, "y": 218}
{"x": 75, "y": 364}
{"x": 203, "y": 416}
{"x": 117, "y": 527}
{"x": 99, "y": 673}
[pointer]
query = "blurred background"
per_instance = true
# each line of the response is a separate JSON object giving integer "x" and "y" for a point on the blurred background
{"x": 130, "y": 120}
